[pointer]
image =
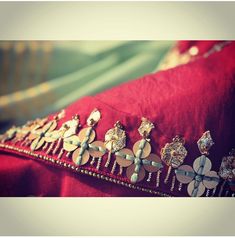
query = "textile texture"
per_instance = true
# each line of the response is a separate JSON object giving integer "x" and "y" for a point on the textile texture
{"x": 186, "y": 100}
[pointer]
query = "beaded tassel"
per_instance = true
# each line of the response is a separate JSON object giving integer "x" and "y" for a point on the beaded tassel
{"x": 98, "y": 163}
{"x": 180, "y": 187}
{"x": 57, "y": 146}
{"x": 92, "y": 161}
{"x": 158, "y": 178}
{"x": 114, "y": 167}
{"x": 149, "y": 177}
{"x": 168, "y": 175}
{"x": 61, "y": 153}
{"x": 68, "y": 154}
{"x": 50, "y": 148}
{"x": 108, "y": 160}
{"x": 213, "y": 192}
{"x": 120, "y": 170}
{"x": 45, "y": 146}
{"x": 14, "y": 141}
{"x": 173, "y": 183}
{"x": 27, "y": 143}
{"x": 23, "y": 142}
{"x": 207, "y": 192}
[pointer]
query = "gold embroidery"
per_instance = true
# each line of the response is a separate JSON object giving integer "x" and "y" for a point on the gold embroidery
{"x": 205, "y": 143}
{"x": 173, "y": 154}
{"x": 115, "y": 139}
{"x": 227, "y": 171}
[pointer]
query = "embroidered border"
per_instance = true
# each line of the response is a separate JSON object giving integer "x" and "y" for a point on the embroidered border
{"x": 41, "y": 134}
{"x": 81, "y": 170}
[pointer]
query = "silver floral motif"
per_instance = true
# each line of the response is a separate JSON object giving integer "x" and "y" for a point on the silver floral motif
{"x": 199, "y": 177}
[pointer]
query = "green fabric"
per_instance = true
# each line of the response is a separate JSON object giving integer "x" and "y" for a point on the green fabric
{"x": 38, "y": 82}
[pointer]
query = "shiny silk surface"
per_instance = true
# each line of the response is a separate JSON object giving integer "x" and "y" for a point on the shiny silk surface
{"x": 186, "y": 100}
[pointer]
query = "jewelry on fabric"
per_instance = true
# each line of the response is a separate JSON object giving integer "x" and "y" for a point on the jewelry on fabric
{"x": 173, "y": 155}
{"x": 115, "y": 140}
{"x": 205, "y": 143}
{"x": 37, "y": 124}
{"x": 9, "y": 134}
{"x": 138, "y": 163}
{"x": 39, "y": 135}
{"x": 141, "y": 159}
{"x": 23, "y": 133}
{"x": 62, "y": 135}
{"x": 85, "y": 141}
{"x": 141, "y": 149}
{"x": 227, "y": 171}
{"x": 77, "y": 169}
{"x": 200, "y": 176}
{"x": 68, "y": 129}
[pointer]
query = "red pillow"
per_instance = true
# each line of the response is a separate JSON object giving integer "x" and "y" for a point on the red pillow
{"x": 187, "y": 100}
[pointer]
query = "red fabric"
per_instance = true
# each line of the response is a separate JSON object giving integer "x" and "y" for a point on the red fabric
{"x": 203, "y": 46}
{"x": 186, "y": 100}
{"x": 25, "y": 177}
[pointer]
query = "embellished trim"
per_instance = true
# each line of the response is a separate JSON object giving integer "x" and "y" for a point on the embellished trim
{"x": 77, "y": 169}
{"x": 199, "y": 177}
{"x": 81, "y": 149}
